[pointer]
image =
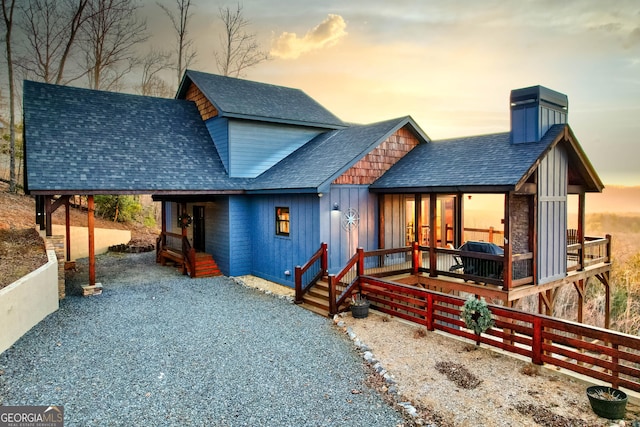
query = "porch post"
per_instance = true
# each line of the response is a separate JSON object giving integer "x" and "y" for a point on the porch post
{"x": 184, "y": 212}
{"x": 48, "y": 211}
{"x": 579, "y": 285}
{"x": 458, "y": 222}
{"x": 507, "y": 270}
{"x": 67, "y": 224}
{"x": 163, "y": 216}
{"x": 416, "y": 217}
{"x": 92, "y": 245}
{"x": 433, "y": 257}
{"x": 381, "y": 243}
{"x": 40, "y": 218}
{"x": 581, "y": 216}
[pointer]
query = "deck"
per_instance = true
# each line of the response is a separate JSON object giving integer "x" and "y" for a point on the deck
{"x": 447, "y": 270}
{"x": 399, "y": 282}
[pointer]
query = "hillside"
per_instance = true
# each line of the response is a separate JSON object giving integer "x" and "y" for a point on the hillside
{"x": 22, "y": 249}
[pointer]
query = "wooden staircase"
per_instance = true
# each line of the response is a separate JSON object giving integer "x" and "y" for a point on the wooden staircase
{"x": 317, "y": 298}
{"x": 205, "y": 266}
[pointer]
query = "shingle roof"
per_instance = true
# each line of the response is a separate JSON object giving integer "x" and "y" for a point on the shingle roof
{"x": 259, "y": 101}
{"x": 82, "y": 140}
{"x": 320, "y": 161}
{"x": 466, "y": 163}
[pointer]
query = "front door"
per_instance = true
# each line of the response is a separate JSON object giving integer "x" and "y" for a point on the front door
{"x": 198, "y": 228}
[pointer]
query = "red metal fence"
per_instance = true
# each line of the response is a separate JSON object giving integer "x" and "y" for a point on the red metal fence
{"x": 606, "y": 355}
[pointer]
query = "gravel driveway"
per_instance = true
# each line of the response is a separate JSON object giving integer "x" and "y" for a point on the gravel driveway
{"x": 158, "y": 348}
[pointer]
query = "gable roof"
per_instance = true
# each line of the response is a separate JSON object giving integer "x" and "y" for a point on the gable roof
{"x": 319, "y": 162}
{"x": 247, "y": 99}
{"x": 81, "y": 141}
{"x": 486, "y": 163}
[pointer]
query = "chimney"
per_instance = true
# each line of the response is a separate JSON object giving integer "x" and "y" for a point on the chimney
{"x": 534, "y": 110}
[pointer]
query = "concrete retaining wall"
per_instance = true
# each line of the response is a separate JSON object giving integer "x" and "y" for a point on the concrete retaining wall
{"x": 104, "y": 237}
{"x": 28, "y": 300}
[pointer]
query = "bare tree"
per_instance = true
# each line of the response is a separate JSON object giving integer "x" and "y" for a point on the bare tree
{"x": 8, "y": 7}
{"x": 239, "y": 49}
{"x": 152, "y": 65}
{"x": 180, "y": 22}
{"x": 51, "y": 27}
{"x": 109, "y": 37}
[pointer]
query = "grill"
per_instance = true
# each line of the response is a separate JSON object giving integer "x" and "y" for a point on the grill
{"x": 481, "y": 267}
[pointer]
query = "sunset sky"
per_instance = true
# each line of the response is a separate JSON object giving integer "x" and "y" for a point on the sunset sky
{"x": 449, "y": 64}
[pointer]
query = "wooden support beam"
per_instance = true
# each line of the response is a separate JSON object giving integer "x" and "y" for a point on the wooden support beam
{"x": 184, "y": 212}
{"x": 47, "y": 214}
{"x": 581, "y": 221}
{"x": 458, "y": 222}
{"x": 433, "y": 257}
{"x": 92, "y": 242}
{"x": 40, "y": 211}
{"x": 67, "y": 226}
{"x": 604, "y": 279}
{"x": 50, "y": 206}
{"x": 381, "y": 230}
{"x": 416, "y": 217}
{"x": 579, "y": 285}
{"x": 163, "y": 210}
{"x": 547, "y": 300}
{"x": 508, "y": 262}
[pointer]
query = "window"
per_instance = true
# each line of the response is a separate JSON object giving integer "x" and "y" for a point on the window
{"x": 282, "y": 221}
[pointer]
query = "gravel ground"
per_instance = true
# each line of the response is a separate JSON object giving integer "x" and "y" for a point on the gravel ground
{"x": 158, "y": 348}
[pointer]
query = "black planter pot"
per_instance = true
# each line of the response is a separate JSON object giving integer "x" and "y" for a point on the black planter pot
{"x": 611, "y": 409}
{"x": 360, "y": 311}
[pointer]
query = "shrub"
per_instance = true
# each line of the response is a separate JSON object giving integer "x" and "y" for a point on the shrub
{"x": 118, "y": 208}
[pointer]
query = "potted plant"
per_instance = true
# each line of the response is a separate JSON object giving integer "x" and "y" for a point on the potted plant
{"x": 359, "y": 306}
{"x": 607, "y": 402}
{"x": 476, "y": 316}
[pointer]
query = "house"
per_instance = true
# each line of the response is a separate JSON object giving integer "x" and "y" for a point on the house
{"x": 254, "y": 177}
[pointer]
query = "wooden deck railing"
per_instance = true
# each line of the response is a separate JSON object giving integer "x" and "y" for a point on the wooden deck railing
{"x": 490, "y": 235}
{"x": 308, "y": 274}
{"x": 189, "y": 257}
{"x": 177, "y": 247}
{"x": 596, "y": 251}
{"x": 484, "y": 268}
{"x": 383, "y": 262}
{"x": 342, "y": 284}
{"x": 606, "y": 355}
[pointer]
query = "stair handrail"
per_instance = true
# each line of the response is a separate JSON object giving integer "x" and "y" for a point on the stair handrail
{"x": 335, "y": 301}
{"x": 301, "y": 289}
{"x": 189, "y": 257}
{"x": 161, "y": 241}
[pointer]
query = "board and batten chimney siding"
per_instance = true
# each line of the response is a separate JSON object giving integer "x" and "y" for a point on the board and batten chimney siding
{"x": 534, "y": 110}
{"x": 377, "y": 162}
{"x": 206, "y": 108}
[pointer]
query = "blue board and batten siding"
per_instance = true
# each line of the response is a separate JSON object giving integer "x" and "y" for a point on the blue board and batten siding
{"x": 228, "y": 236}
{"x": 217, "y": 238}
{"x": 552, "y": 216}
{"x": 275, "y": 257}
{"x": 344, "y": 239}
{"x": 256, "y": 147}
{"x": 218, "y": 128}
{"x": 241, "y": 230}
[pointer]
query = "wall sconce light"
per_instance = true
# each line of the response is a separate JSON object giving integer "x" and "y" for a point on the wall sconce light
{"x": 336, "y": 207}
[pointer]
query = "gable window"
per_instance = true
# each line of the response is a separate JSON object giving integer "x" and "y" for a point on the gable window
{"x": 282, "y": 221}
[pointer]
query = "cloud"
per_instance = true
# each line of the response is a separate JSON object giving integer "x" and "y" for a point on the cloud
{"x": 634, "y": 38}
{"x": 327, "y": 33}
